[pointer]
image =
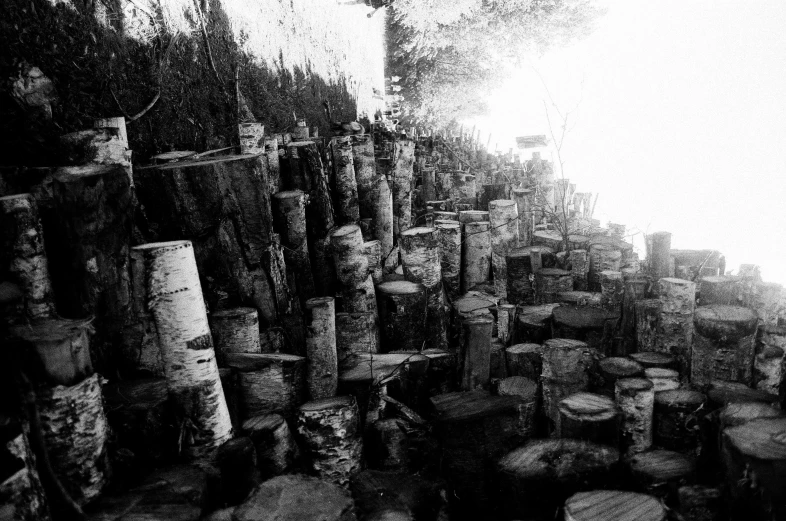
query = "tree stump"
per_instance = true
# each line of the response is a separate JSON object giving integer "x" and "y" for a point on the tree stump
{"x": 649, "y": 359}
{"x": 534, "y": 325}
{"x": 352, "y": 270}
{"x": 525, "y": 360}
{"x": 274, "y": 181}
{"x": 721, "y": 290}
{"x": 676, "y": 417}
{"x": 590, "y": 417}
{"x": 549, "y": 282}
{"x": 754, "y": 455}
{"x": 647, "y": 313}
{"x": 276, "y": 449}
{"x": 584, "y": 323}
{"x": 283, "y": 499}
{"x": 441, "y": 374}
{"x": 401, "y": 174}
{"x": 23, "y": 257}
{"x": 190, "y": 367}
{"x": 429, "y": 186}
{"x": 504, "y": 238}
{"x": 75, "y": 433}
{"x": 614, "y": 368}
{"x": 373, "y": 251}
{"x": 636, "y": 398}
{"x": 661, "y": 473}
{"x": 475, "y": 353}
{"x": 402, "y": 313}
{"x": 521, "y": 270}
{"x": 700, "y": 503}
{"x": 420, "y": 258}
{"x": 675, "y": 320}
{"x": 475, "y": 429}
{"x": 322, "y": 366}
{"x": 635, "y": 288}
{"x": 548, "y": 238}
{"x": 724, "y": 344}
{"x": 383, "y": 222}
{"x": 612, "y": 290}
{"x": 476, "y": 254}
{"x": 569, "y": 366}
{"x": 449, "y": 237}
{"x": 387, "y": 445}
{"x": 355, "y": 335}
{"x": 506, "y": 313}
{"x": 235, "y": 330}
{"x": 329, "y": 430}
{"x": 268, "y": 383}
{"x": 602, "y": 257}
{"x": 537, "y": 478}
{"x": 56, "y": 351}
{"x": 491, "y": 192}
{"x": 290, "y": 222}
{"x": 613, "y": 505}
{"x": 662, "y": 379}
{"x": 523, "y": 198}
{"x": 659, "y": 254}
{"x": 21, "y": 492}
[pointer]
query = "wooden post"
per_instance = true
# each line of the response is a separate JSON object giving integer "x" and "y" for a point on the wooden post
{"x": 504, "y": 238}
{"x": 616, "y": 505}
{"x": 290, "y": 222}
{"x": 404, "y": 157}
{"x": 676, "y": 414}
{"x": 659, "y": 260}
{"x": 23, "y": 256}
{"x": 475, "y": 353}
{"x": 402, "y": 314}
{"x": 724, "y": 344}
{"x": 329, "y": 430}
{"x": 636, "y": 398}
{"x": 534, "y": 485}
{"x": 420, "y": 258}
{"x": 276, "y": 449}
{"x": 235, "y": 330}
{"x": 476, "y": 258}
{"x": 186, "y": 344}
{"x": 590, "y": 417}
{"x": 675, "y": 321}
{"x": 449, "y": 237}
{"x": 347, "y": 208}
{"x": 569, "y": 366}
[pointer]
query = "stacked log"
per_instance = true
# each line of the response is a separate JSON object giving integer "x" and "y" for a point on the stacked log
{"x": 525, "y": 360}
{"x": 675, "y": 320}
{"x": 537, "y": 478}
{"x": 476, "y": 254}
{"x": 527, "y": 390}
{"x": 23, "y": 256}
{"x": 590, "y": 417}
{"x": 523, "y": 198}
{"x": 322, "y": 367}
{"x": 235, "y": 330}
{"x": 636, "y": 398}
{"x": 569, "y": 366}
{"x": 475, "y": 353}
{"x": 504, "y": 237}
{"x": 186, "y": 344}
{"x": 402, "y": 312}
{"x": 420, "y": 259}
{"x": 449, "y": 237}
{"x": 352, "y": 269}
{"x": 373, "y": 251}
{"x": 613, "y": 505}
{"x": 723, "y": 344}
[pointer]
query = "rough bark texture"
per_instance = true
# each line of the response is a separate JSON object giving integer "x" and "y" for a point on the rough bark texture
{"x": 268, "y": 383}
{"x": 23, "y": 259}
{"x": 347, "y": 208}
{"x": 75, "y": 433}
{"x": 276, "y": 449}
{"x": 579, "y": 268}
{"x": 615, "y": 505}
{"x": 252, "y": 137}
{"x": 21, "y": 492}
{"x": 549, "y": 282}
{"x": 525, "y": 360}
{"x": 289, "y": 218}
{"x": 473, "y": 216}
{"x": 724, "y": 344}
{"x": 584, "y": 323}
{"x": 401, "y": 176}
{"x": 647, "y": 314}
{"x": 720, "y": 290}
{"x": 329, "y": 430}
{"x": 236, "y": 461}
{"x": 420, "y": 259}
{"x": 475, "y": 353}
{"x": 590, "y": 417}
{"x": 676, "y": 416}
{"x": 653, "y": 359}
{"x": 373, "y": 251}
{"x": 523, "y": 198}
{"x": 235, "y": 330}
{"x": 527, "y": 390}
{"x": 322, "y": 367}
{"x": 383, "y": 222}
{"x": 635, "y": 288}
{"x": 449, "y": 237}
{"x": 612, "y": 290}
{"x": 537, "y": 478}
{"x": 602, "y": 257}
{"x": 476, "y": 258}
{"x": 769, "y": 367}
{"x": 675, "y": 321}
{"x": 504, "y": 238}
{"x": 186, "y": 344}
{"x": 636, "y": 398}
{"x": 505, "y": 315}
{"x": 402, "y": 314}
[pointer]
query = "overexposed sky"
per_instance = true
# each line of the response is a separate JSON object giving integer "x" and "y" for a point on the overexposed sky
{"x": 681, "y": 122}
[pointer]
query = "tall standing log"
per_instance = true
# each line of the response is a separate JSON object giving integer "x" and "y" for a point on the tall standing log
{"x": 235, "y": 330}
{"x": 523, "y": 198}
{"x": 636, "y": 399}
{"x": 274, "y": 181}
{"x": 186, "y": 344}
{"x": 322, "y": 368}
{"x": 647, "y": 313}
{"x": 504, "y": 238}
{"x": 373, "y": 251}
{"x": 290, "y": 222}
{"x": 420, "y": 258}
{"x": 94, "y": 206}
{"x": 769, "y": 367}
{"x": 449, "y": 237}
{"x": 659, "y": 258}
{"x": 355, "y": 334}
{"x": 475, "y": 353}
{"x": 329, "y": 430}
{"x": 613, "y": 368}
{"x": 612, "y": 290}
{"x": 476, "y": 254}
{"x": 635, "y": 289}
{"x": 277, "y": 451}
{"x": 724, "y": 344}
{"x": 525, "y": 360}
{"x": 675, "y": 321}
{"x": 520, "y": 269}
{"x": 347, "y": 208}
{"x": 403, "y": 159}
{"x": 365, "y": 174}
{"x": 383, "y": 222}
{"x": 720, "y": 290}
{"x": 23, "y": 258}
{"x": 349, "y": 257}
{"x": 402, "y": 315}
{"x": 549, "y": 282}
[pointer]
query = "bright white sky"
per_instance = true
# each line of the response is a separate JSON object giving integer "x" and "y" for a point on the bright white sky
{"x": 681, "y": 124}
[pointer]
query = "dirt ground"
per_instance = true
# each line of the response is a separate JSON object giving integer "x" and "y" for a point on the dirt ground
{"x": 109, "y": 57}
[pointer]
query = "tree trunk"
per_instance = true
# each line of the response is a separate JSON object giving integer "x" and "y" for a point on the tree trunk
{"x": 520, "y": 268}
{"x": 23, "y": 258}
{"x": 675, "y": 322}
{"x": 347, "y": 208}
{"x": 602, "y": 257}
{"x": 235, "y": 330}
{"x": 322, "y": 367}
{"x": 186, "y": 345}
{"x": 613, "y": 368}
{"x": 329, "y": 430}
{"x": 636, "y": 398}
{"x": 355, "y": 334}
{"x": 373, "y": 251}
{"x": 589, "y": 417}
{"x": 505, "y": 315}
{"x": 476, "y": 259}
{"x": 523, "y": 198}
{"x": 402, "y": 315}
{"x": 268, "y": 383}
{"x": 647, "y": 315}
{"x": 384, "y": 223}
{"x": 525, "y": 360}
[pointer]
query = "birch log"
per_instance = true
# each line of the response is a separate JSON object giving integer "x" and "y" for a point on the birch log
{"x": 647, "y": 313}
{"x": 383, "y": 222}
{"x": 523, "y": 198}
{"x": 373, "y": 251}
{"x": 290, "y": 222}
{"x": 612, "y": 290}
{"x": 590, "y": 417}
{"x": 186, "y": 344}
{"x": 636, "y": 398}
{"x": 23, "y": 257}
{"x": 235, "y": 330}
{"x": 520, "y": 269}
{"x": 355, "y": 334}
{"x": 475, "y": 353}
{"x": 277, "y": 451}
{"x": 476, "y": 254}
{"x": 769, "y": 367}
{"x": 613, "y": 368}
{"x": 602, "y": 257}
{"x": 549, "y": 282}
{"x": 322, "y": 368}
{"x": 268, "y": 383}
{"x": 347, "y": 209}
{"x": 724, "y": 344}
{"x": 449, "y": 237}
{"x": 420, "y": 259}
{"x": 525, "y": 360}
{"x": 675, "y": 321}
{"x": 404, "y": 157}
{"x": 504, "y": 238}
{"x": 659, "y": 258}
{"x": 402, "y": 315}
